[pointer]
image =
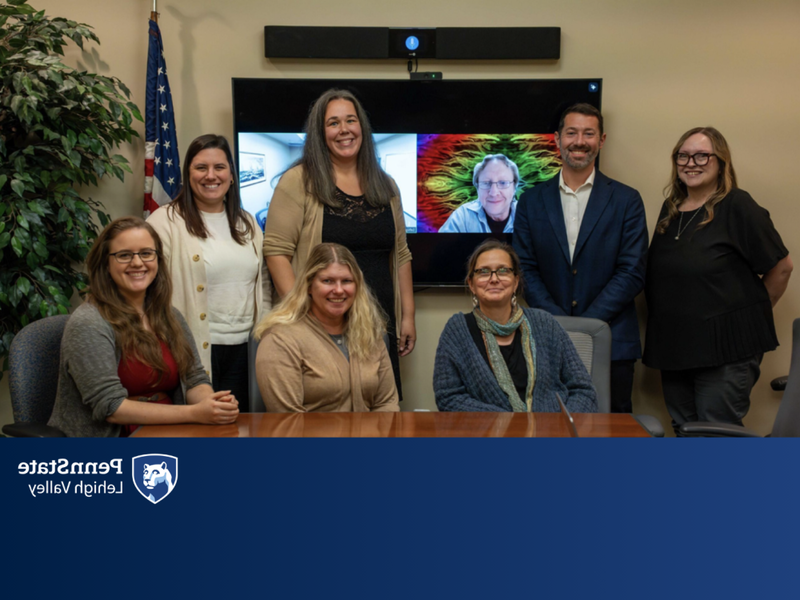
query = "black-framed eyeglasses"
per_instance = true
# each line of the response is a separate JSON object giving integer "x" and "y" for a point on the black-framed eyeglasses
{"x": 486, "y": 273}
{"x": 501, "y": 185}
{"x": 700, "y": 158}
{"x": 126, "y": 256}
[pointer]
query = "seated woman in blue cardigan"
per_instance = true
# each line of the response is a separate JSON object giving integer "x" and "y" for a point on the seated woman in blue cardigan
{"x": 501, "y": 357}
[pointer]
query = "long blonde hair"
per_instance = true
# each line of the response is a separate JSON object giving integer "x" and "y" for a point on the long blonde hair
{"x": 131, "y": 336}
{"x": 675, "y": 192}
{"x": 365, "y": 323}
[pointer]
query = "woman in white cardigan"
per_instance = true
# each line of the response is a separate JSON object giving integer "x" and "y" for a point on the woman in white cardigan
{"x": 214, "y": 250}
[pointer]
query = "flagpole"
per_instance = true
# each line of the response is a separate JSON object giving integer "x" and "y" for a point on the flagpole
{"x": 162, "y": 170}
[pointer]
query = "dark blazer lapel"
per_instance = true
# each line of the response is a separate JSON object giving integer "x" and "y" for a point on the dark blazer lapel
{"x": 552, "y": 204}
{"x": 598, "y": 200}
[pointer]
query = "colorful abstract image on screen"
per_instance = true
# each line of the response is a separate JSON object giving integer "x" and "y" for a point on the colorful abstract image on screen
{"x": 445, "y": 165}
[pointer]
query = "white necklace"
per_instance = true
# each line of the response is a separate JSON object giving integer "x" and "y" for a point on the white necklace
{"x": 680, "y": 222}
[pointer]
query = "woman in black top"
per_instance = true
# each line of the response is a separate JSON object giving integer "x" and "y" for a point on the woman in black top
{"x": 346, "y": 199}
{"x": 716, "y": 267}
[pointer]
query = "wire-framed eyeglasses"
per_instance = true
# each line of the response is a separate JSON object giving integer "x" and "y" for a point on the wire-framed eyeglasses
{"x": 126, "y": 256}
{"x": 501, "y": 185}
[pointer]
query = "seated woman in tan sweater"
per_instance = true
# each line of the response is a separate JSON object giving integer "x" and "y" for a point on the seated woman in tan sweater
{"x": 322, "y": 348}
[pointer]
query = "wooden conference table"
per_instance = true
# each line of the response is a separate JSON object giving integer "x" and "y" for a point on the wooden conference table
{"x": 405, "y": 425}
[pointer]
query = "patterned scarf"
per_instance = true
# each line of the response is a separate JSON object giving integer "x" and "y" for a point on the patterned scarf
{"x": 499, "y": 367}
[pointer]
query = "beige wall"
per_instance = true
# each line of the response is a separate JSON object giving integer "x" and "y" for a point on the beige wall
{"x": 666, "y": 66}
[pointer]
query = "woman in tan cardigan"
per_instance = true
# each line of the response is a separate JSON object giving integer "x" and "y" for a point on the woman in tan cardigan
{"x": 322, "y": 347}
{"x": 337, "y": 192}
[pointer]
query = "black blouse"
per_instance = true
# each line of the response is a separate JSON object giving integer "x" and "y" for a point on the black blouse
{"x": 368, "y": 232}
{"x": 513, "y": 355}
{"x": 706, "y": 301}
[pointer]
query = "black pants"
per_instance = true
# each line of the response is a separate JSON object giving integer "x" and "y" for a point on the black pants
{"x": 717, "y": 394}
{"x": 229, "y": 368}
{"x": 622, "y": 386}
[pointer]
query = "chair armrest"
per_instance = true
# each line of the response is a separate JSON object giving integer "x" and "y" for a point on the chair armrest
{"x": 703, "y": 429}
{"x": 651, "y": 424}
{"x": 779, "y": 383}
{"x": 39, "y": 430}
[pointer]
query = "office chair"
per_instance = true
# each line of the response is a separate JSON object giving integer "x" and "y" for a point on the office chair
{"x": 787, "y": 421}
{"x": 592, "y": 340}
{"x": 33, "y": 361}
{"x": 256, "y": 402}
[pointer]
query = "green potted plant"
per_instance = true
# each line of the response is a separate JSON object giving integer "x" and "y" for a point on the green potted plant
{"x": 58, "y": 128}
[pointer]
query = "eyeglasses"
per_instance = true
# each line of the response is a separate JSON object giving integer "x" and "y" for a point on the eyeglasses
{"x": 700, "y": 159}
{"x": 486, "y": 273}
{"x": 501, "y": 185}
{"x": 126, "y": 256}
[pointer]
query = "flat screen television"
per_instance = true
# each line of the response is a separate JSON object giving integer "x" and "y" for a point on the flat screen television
{"x": 429, "y": 136}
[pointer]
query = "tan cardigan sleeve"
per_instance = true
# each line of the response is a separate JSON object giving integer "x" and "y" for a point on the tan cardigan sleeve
{"x": 286, "y": 215}
{"x": 279, "y": 372}
{"x": 400, "y": 243}
{"x": 386, "y": 399}
{"x": 264, "y": 281}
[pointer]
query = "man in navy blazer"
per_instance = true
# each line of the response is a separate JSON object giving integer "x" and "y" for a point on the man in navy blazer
{"x": 582, "y": 240}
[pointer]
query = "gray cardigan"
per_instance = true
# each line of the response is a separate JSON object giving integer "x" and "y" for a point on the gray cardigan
{"x": 463, "y": 381}
{"x": 89, "y": 389}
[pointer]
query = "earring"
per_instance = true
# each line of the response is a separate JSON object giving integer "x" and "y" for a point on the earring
{"x": 474, "y": 301}
{"x": 514, "y": 301}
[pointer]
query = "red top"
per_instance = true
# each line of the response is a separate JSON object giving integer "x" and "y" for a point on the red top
{"x": 142, "y": 381}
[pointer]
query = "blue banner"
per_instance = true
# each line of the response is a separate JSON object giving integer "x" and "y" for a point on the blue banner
{"x": 435, "y": 518}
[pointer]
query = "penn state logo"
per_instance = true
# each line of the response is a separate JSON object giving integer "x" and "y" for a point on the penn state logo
{"x": 155, "y": 475}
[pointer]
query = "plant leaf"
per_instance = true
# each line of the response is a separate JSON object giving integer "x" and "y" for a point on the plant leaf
{"x": 24, "y": 284}
{"x": 16, "y": 246}
{"x": 40, "y": 249}
{"x": 32, "y": 260}
{"x": 99, "y": 167}
{"x": 18, "y": 187}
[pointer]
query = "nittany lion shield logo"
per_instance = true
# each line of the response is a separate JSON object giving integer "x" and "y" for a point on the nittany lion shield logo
{"x": 155, "y": 475}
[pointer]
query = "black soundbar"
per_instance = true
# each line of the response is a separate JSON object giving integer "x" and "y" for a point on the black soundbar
{"x": 460, "y": 43}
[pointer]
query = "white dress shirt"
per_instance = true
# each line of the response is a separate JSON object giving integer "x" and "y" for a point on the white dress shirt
{"x": 573, "y": 205}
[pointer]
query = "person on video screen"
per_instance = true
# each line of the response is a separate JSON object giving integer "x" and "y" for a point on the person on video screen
{"x": 497, "y": 179}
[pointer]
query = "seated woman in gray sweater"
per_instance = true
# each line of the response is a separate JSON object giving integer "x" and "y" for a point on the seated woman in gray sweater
{"x": 501, "y": 357}
{"x": 128, "y": 357}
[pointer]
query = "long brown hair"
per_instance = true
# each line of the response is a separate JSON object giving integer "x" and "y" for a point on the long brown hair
{"x": 131, "y": 336}
{"x": 675, "y": 192}
{"x": 318, "y": 174}
{"x": 365, "y": 322}
{"x": 240, "y": 226}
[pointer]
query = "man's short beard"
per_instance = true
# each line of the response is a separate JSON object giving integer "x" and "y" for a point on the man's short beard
{"x": 572, "y": 164}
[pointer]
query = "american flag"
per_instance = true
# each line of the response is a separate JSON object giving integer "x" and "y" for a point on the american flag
{"x": 162, "y": 168}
